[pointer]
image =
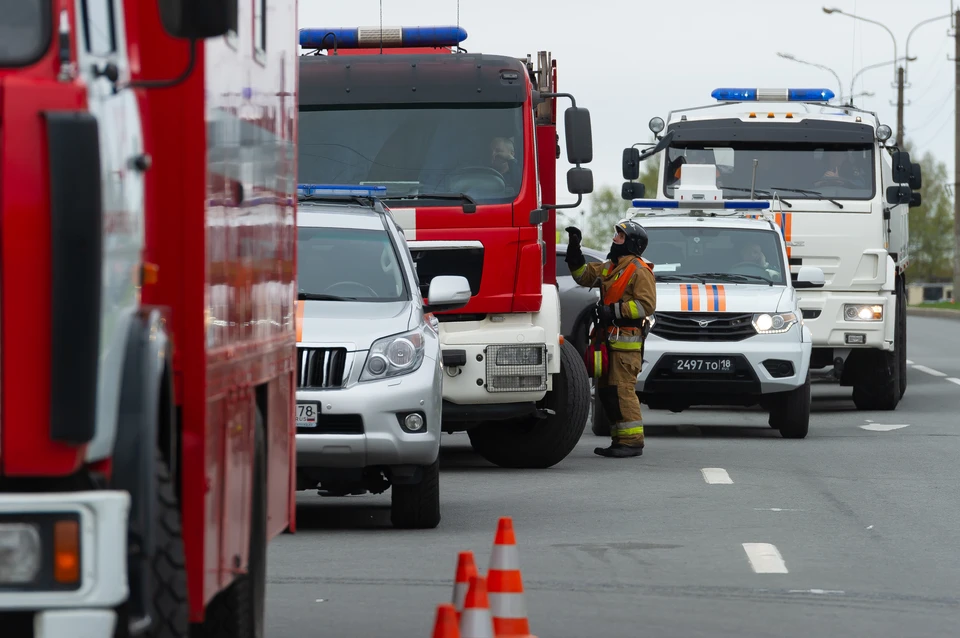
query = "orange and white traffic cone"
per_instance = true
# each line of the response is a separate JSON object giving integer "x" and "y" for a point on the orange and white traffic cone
{"x": 475, "y": 620}
{"x": 446, "y": 624}
{"x": 466, "y": 567}
{"x": 507, "y": 605}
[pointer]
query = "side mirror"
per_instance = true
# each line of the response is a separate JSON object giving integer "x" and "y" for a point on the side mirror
{"x": 579, "y": 134}
{"x": 198, "y": 19}
{"x": 901, "y": 167}
{"x": 899, "y": 194}
{"x": 631, "y": 163}
{"x": 632, "y": 190}
{"x": 915, "y": 199}
{"x": 809, "y": 277}
{"x": 580, "y": 180}
{"x": 448, "y": 292}
{"x": 916, "y": 180}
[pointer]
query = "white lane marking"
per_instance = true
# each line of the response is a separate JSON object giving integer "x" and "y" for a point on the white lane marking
{"x": 929, "y": 371}
{"x": 880, "y": 427}
{"x": 774, "y": 509}
{"x": 764, "y": 558}
{"x": 716, "y": 476}
{"x": 953, "y": 380}
{"x": 909, "y": 362}
{"x": 815, "y": 591}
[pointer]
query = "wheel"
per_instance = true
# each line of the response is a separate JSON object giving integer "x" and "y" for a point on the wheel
{"x": 417, "y": 506}
{"x": 900, "y": 341}
{"x": 541, "y": 443}
{"x": 790, "y": 412}
{"x": 600, "y": 424}
{"x": 169, "y": 569}
{"x": 581, "y": 334}
{"x": 238, "y": 611}
{"x": 877, "y": 386}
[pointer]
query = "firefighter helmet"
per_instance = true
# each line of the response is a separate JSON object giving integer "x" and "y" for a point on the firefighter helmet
{"x": 636, "y": 239}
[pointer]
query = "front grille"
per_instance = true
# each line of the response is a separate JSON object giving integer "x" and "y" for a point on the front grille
{"x": 431, "y": 262}
{"x": 686, "y": 326}
{"x": 321, "y": 367}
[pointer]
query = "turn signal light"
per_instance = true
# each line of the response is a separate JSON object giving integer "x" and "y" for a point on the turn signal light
{"x": 66, "y": 552}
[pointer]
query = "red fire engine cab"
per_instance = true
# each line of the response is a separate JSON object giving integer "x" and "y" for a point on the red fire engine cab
{"x": 147, "y": 216}
{"x": 466, "y": 146}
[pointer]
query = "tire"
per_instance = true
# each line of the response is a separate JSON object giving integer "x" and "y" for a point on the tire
{"x": 417, "y": 506}
{"x": 790, "y": 412}
{"x": 600, "y": 424}
{"x": 170, "y": 606}
{"x": 238, "y": 611}
{"x": 878, "y": 384}
{"x": 581, "y": 333}
{"x": 541, "y": 443}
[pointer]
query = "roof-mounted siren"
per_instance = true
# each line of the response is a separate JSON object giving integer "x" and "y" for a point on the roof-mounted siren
{"x": 772, "y": 95}
{"x": 698, "y": 192}
{"x": 389, "y": 37}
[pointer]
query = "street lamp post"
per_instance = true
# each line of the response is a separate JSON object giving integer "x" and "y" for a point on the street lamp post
{"x": 873, "y": 66}
{"x": 793, "y": 58}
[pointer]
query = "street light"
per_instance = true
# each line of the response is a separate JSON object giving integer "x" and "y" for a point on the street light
{"x": 920, "y": 24}
{"x": 790, "y": 56}
{"x": 874, "y": 66}
{"x": 856, "y": 17}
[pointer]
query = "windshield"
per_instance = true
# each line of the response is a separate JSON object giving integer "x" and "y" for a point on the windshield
{"x": 416, "y": 151}
{"x": 24, "y": 31}
{"x": 350, "y": 264}
{"x": 795, "y": 171}
{"x": 712, "y": 253}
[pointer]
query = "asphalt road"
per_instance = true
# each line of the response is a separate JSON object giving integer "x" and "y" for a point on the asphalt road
{"x": 859, "y": 525}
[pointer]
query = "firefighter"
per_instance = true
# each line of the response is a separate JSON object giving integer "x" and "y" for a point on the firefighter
{"x": 629, "y": 295}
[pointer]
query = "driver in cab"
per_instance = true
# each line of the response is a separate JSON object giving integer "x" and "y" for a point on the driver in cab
{"x": 503, "y": 159}
{"x": 752, "y": 255}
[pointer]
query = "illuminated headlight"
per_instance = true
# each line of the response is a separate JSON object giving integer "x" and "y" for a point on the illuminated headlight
{"x": 774, "y": 323}
{"x": 858, "y": 312}
{"x": 394, "y": 356}
{"x": 20, "y": 553}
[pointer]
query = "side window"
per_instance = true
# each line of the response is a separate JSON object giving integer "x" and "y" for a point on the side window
{"x": 260, "y": 30}
{"x": 99, "y": 32}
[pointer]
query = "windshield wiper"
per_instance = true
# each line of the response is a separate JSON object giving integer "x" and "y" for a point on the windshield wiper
{"x": 316, "y": 296}
{"x": 756, "y": 191}
{"x": 729, "y": 276}
{"x": 804, "y": 191}
{"x": 469, "y": 204}
{"x": 678, "y": 278}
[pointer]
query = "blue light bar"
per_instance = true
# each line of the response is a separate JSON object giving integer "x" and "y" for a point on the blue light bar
{"x": 348, "y": 190}
{"x": 701, "y": 204}
{"x": 393, "y": 37}
{"x": 772, "y": 95}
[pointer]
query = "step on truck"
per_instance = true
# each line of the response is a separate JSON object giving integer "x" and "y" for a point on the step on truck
{"x": 146, "y": 305}
{"x": 841, "y": 196}
{"x": 466, "y": 146}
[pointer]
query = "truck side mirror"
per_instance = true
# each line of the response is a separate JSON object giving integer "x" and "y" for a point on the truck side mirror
{"x": 631, "y": 163}
{"x": 632, "y": 190}
{"x": 916, "y": 181}
{"x": 899, "y": 195}
{"x": 580, "y": 180}
{"x": 915, "y": 200}
{"x": 579, "y": 134}
{"x": 901, "y": 167}
{"x": 198, "y": 19}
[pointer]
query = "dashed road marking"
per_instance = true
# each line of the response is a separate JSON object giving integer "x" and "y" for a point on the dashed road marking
{"x": 953, "y": 380}
{"x": 716, "y": 476}
{"x": 764, "y": 558}
{"x": 909, "y": 362}
{"x": 930, "y": 371}
{"x": 881, "y": 427}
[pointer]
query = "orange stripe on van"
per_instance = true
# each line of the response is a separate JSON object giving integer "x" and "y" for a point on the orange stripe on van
{"x": 298, "y": 319}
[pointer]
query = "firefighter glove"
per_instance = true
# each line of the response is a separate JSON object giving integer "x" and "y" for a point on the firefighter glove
{"x": 575, "y": 235}
{"x": 606, "y": 314}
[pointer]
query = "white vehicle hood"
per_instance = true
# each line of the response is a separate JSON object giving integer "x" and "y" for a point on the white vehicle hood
{"x": 353, "y": 325}
{"x": 696, "y": 297}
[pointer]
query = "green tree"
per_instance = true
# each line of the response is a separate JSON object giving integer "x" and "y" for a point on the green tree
{"x": 931, "y": 225}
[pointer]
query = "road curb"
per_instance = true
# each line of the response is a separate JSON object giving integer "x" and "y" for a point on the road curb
{"x": 940, "y": 313}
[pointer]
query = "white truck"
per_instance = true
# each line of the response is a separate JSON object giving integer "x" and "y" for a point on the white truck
{"x": 841, "y": 197}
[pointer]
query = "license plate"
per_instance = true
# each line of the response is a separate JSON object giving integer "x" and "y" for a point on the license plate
{"x": 702, "y": 364}
{"x": 307, "y": 414}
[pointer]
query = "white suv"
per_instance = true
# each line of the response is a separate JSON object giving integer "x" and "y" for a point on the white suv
{"x": 369, "y": 376}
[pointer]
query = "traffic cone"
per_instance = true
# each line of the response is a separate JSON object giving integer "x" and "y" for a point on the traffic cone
{"x": 466, "y": 567}
{"x": 475, "y": 621}
{"x": 446, "y": 623}
{"x": 507, "y": 605}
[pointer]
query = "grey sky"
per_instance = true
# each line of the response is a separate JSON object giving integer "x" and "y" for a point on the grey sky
{"x": 629, "y": 60}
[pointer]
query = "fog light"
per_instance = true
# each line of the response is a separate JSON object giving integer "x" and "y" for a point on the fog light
{"x": 19, "y": 553}
{"x": 413, "y": 422}
{"x": 855, "y": 338}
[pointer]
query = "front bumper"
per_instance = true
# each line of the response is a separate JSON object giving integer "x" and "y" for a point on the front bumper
{"x": 749, "y": 378}
{"x": 359, "y": 425}
{"x": 823, "y": 314}
{"x": 86, "y": 609}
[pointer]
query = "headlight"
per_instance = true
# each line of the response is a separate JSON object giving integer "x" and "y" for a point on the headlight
{"x": 774, "y": 323}
{"x": 20, "y": 556}
{"x": 862, "y": 312}
{"x": 394, "y": 356}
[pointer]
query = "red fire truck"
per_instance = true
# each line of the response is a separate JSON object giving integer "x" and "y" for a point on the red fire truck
{"x": 146, "y": 311}
{"x": 466, "y": 145}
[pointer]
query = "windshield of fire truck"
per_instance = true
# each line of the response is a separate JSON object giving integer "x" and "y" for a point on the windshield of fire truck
{"x": 24, "y": 31}
{"x": 794, "y": 171}
{"x": 346, "y": 264}
{"x": 735, "y": 255}
{"x": 421, "y": 150}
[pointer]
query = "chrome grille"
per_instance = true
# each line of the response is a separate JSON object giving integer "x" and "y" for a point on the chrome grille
{"x": 321, "y": 367}
{"x": 694, "y": 326}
